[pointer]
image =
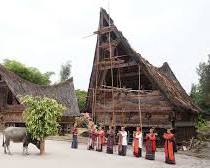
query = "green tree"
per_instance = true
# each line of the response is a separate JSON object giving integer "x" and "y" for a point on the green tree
{"x": 28, "y": 73}
{"x": 81, "y": 98}
{"x": 65, "y": 71}
{"x": 195, "y": 94}
{"x": 41, "y": 117}
{"x": 204, "y": 84}
{"x": 200, "y": 93}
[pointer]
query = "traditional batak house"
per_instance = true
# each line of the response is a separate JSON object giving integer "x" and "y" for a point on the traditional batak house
{"x": 126, "y": 90}
{"x": 12, "y": 86}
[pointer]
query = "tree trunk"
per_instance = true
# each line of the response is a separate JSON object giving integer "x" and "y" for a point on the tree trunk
{"x": 42, "y": 147}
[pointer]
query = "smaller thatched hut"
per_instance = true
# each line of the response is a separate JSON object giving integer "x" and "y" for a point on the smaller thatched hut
{"x": 12, "y": 86}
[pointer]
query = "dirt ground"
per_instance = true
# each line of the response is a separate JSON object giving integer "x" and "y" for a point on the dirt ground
{"x": 60, "y": 155}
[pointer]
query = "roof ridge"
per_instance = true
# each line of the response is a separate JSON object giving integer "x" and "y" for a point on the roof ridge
{"x": 8, "y": 73}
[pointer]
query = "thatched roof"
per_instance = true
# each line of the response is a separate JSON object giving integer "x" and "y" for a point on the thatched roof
{"x": 170, "y": 86}
{"x": 63, "y": 92}
{"x": 162, "y": 76}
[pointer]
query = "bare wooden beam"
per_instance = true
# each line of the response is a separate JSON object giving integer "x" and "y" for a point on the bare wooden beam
{"x": 123, "y": 65}
{"x": 104, "y": 30}
{"x": 116, "y": 56}
{"x": 144, "y": 110}
{"x": 184, "y": 123}
{"x": 108, "y": 62}
{"x": 156, "y": 92}
{"x": 143, "y": 126}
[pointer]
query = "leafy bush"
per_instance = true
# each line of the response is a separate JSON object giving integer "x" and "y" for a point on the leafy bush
{"x": 201, "y": 122}
{"x": 41, "y": 117}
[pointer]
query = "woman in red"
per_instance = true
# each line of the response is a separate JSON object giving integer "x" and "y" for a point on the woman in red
{"x": 92, "y": 138}
{"x": 100, "y": 139}
{"x": 137, "y": 143}
{"x": 150, "y": 145}
{"x": 169, "y": 147}
{"x": 74, "y": 134}
{"x": 110, "y": 140}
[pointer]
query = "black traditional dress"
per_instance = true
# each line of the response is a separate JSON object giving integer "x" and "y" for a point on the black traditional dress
{"x": 110, "y": 141}
{"x": 150, "y": 146}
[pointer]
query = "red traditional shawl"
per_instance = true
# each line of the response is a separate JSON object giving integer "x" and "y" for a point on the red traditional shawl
{"x": 74, "y": 131}
{"x": 169, "y": 153}
{"x": 136, "y": 144}
{"x": 151, "y": 138}
{"x": 93, "y": 135}
{"x": 101, "y": 137}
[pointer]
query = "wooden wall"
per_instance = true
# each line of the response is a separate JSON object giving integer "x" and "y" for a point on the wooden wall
{"x": 156, "y": 112}
{"x": 155, "y": 109}
{"x": 13, "y": 114}
{"x": 185, "y": 132}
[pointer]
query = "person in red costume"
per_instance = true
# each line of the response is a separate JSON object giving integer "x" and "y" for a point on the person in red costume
{"x": 74, "y": 134}
{"x": 110, "y": 140}
{"x": 150, "y": 145}
{"x": 169, "y": 147}
{"x": 137, "y": 143}
{"x": 100, "y": 139}
{"x": 92, "y": 138}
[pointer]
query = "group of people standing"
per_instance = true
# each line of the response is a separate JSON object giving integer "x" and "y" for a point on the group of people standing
{"x": 98, "y": 138}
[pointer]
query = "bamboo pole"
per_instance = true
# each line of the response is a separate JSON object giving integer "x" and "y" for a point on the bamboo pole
{"x": 93, "y": 106}
{"x": 110, "y": 56}
{"x": 139, "y": 101}
{"x": 96, "y": 77}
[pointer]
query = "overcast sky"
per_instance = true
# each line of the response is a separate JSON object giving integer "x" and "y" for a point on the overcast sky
{"x": 47, "y": 33}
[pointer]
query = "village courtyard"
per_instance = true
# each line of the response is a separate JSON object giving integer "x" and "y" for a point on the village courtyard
{"x": 60, "y": 155}
{"x": 142, "y": 80}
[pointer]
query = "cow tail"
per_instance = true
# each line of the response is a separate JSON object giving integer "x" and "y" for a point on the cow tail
{"x": 3, "y": 140}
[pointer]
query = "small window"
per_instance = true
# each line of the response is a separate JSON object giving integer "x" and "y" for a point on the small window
{"x": 10, "y": 98}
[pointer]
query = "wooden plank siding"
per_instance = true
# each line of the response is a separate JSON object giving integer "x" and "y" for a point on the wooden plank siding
{"x": 126, "y": 109}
